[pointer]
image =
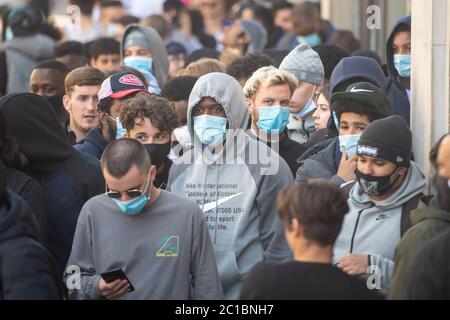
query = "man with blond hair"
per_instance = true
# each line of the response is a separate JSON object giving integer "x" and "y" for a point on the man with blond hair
{"x": 268, "y": 94}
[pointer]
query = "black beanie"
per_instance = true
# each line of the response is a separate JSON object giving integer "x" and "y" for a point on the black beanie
{"x": 389, "y": 139}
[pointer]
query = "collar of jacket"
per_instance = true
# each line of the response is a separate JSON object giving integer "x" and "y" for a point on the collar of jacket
{"x": 424, "y": 212}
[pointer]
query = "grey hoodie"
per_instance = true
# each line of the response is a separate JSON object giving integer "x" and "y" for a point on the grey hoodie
{"x": 375, "y": 227}
{"x": 158, "y": 49}
{"x": 22, "y": 54}
{"x": 237, "y": 194}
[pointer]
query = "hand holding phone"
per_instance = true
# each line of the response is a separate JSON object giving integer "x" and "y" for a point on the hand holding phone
{"x": 113, "y": 284}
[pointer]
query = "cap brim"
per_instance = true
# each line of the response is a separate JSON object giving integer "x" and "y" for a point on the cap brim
{"x": 353, "y": 96}
{"x": 124, "y": 93}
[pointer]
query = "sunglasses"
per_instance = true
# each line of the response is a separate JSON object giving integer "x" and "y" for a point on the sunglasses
{"x": 132, "y": 193}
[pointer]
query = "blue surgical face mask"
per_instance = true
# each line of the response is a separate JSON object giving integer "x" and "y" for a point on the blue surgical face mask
{"x": 403, "y": 65}
{"x": 120, "y": 130}
{"x": 307, "y": 109}
{"x": 8, "y": 34}
{"x": 136, "y": 205}
{"x": 133, "y": 206}
{"x": 349, "y": 144}
{"x": 145, "y": 66}
{"x": 141, "y": 63}
{"x": 312, "y": 40}
{"x": 210, "y": 130}
{"x": 273, "y": 119}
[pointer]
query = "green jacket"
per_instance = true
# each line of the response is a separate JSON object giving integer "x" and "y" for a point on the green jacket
{"x": 427, "y": 221}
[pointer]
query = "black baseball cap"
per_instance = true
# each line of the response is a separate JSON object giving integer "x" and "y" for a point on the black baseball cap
{"x": 120, "y": 85}
{"x": 367, "y": 93}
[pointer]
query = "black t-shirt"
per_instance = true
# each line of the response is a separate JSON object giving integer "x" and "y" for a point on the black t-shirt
{"x": 303, "y": 281}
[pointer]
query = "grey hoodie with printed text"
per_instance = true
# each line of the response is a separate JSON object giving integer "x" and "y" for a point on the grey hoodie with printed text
{"x": 237, "y": 189}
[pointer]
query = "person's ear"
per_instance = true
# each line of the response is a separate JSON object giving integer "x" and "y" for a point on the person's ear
{"x": 296, "y": 228}
{"x": 318, "y": 90}
{"x": 153, "y": 171}
{"x": 250, "y": 105}
{"x": 246, "y": 39}
{"x": 103, "y": 118}
{"x": 66, "y": 102}
{"x": 402, "y": 171}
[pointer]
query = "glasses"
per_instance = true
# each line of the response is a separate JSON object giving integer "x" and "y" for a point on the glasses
{"x": 132, "y": 193}
{"x": 214, "y": 110}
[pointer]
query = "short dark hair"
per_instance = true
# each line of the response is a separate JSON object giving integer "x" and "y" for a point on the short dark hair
{"x": 245, "y": 66}
{"x": 86, "y": 6}
{"x": 127, "y": 19}
{"x": 179, "y": 88}
{"x": 318, "y": 205}
{"x": 83, "y": 76}
{"x": 330, "y": 56}
{"x": 347, "y": 41}
{"x": 144, "y": 105}
{"x": 281, "y": 5}
{"x": 54, "y": 65}
{"x": 357, "y": 107}
{"x": 69, "y": 47}
{"x": 103, "y": 46}
{"x": 121, "y": 155}
{"x": 110, "y": 3}
{"x": 173, "y": 5}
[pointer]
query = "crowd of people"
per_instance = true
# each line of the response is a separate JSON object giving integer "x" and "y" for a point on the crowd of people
{"x": 216, "y": 150}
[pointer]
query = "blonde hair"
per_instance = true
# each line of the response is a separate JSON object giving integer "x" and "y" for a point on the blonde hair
{"x": 269, "y": 77}
{"x": 201, "y": 67}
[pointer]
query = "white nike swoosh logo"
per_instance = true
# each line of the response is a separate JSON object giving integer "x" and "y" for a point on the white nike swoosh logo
{"x": 211, "y": 205}
{"x": 360, "y": 90}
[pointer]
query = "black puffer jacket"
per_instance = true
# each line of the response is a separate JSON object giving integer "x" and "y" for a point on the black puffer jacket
{"x": 26, "y": 267}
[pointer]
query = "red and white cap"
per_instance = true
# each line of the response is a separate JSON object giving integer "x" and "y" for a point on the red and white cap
{"x": 120, "y": 85}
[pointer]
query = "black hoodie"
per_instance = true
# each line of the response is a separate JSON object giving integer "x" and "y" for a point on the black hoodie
{"x": 394, "y": 89}
{"x": 26, "y": 267}
{"x": 68, "y": 177}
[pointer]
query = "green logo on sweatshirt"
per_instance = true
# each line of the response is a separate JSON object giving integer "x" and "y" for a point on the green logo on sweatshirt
{"x": 170, "y": 247}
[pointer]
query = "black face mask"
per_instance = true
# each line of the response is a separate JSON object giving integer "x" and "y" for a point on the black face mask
{"x": 375, "y": 186}
{"x": 56, "y": 102}
{"x": 158, "y": 152}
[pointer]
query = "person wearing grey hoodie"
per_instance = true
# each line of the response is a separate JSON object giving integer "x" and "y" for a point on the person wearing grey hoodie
{"x": 27, "y": 47}
{"x": 233, "y": 178}
{"x": 245, "y": 36}
{"x": 142, "y": 48}
{"x": 387, "y": 180}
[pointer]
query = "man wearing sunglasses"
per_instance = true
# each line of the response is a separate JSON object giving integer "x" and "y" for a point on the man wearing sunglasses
{"x": 158, "y": 239}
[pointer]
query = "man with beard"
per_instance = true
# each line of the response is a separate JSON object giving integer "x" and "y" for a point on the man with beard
{"x": 114, "y": 91}
{"x": 47, "y": 80}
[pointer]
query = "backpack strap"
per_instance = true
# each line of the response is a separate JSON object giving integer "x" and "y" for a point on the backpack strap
{"x": 410, "y": 205}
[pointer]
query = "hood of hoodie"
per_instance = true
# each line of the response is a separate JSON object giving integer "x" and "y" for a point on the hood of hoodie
{"x": 389, "y": 52}
{"x": 363, "y": 68}
{"x": 413, "y": 184}
{"x": 258, "y": 34}
{"x": 37, "y": 47}
{"x": 32, "y": 122}
{"x": 227, "y": 92}
{"x": 158, "y": 49}
{"x": 16, "y": 218}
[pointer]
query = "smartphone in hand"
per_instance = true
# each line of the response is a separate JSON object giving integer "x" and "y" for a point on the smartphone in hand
{"x": 118, "y": 274}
